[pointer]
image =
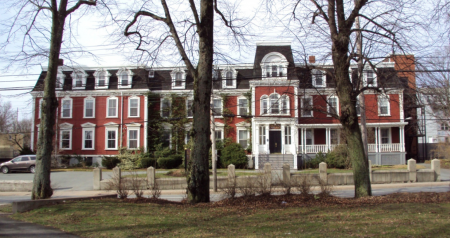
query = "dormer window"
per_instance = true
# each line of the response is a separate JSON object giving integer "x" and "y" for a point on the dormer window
{"x": 151, "y": 73}
{"x": 319, "y": 78}
{"x": 101, "y": 79}
{"x": 125, "y": 77}
{"x": 78, "y": 79}
{"x": 229, "y": 77}
{"x": 178, "y": 79}
{"x": 370, "y": 78}
{"x": 60, "y": 80}
{"x": 274, "y": 65}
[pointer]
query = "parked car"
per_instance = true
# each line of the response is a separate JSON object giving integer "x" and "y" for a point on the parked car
{"x": 20, "y": 163}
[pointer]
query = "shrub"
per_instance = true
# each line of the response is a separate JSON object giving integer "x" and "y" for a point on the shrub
{"x": 338, "y": 158}
{"x": 26, "y": 150}
{"x": 314, "y": 163}
{"x": 148, "y": 160}
{"x": 110, "y": 162}
{"x": 170, "y": 162}
{"x": 234, "y": 154}
{"x": 129, "y": 159}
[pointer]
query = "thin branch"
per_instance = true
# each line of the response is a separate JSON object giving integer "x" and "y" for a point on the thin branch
{"x": 79, "y": 3}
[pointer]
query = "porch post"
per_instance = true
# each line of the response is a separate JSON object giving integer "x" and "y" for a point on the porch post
{"x": 266, "y": 127}
{"x": 304, "y": 140}
{"x": 283, "y": 141}
{"x": 327, "y": 138}
{"x": 376, "y": 139}
{"x": 294, "y": 132}
{"x": 402, "y": 139}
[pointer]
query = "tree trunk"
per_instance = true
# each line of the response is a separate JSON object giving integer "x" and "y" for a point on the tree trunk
{"x": 41, "y": 183}
{"x": 198, "y": 180}
{"x": 349, "y": 118}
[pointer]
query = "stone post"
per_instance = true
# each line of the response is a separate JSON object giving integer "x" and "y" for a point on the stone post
{"x": 97, "y": 178}
{"x": 267, "y": 174}
{"x": 151, "y": 176}
{"x": 436, "y": 166}
{"x": 117, "y": 172}
{"x": 412, "y": 168}
{"x": 231, "y": 175}
{"x": 323, "y": 172}
{"x": 370, "y": 171}
{"x": 287, "y": 174}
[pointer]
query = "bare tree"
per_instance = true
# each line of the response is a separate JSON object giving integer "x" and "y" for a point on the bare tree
{"x": 33, "y": 16}
{"x": 6, "y": 117}
{"x": 381, "y": 30}
{"x": 22, "y": 133}
{"x": 190, "y": 32}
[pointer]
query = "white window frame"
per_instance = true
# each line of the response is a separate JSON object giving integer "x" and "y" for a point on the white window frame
{"x": 329, "y": 107}
{"x": 187, "y": 107}
{"x": 88, "y": 127}
{"x": 79, "y": 75}
{"x": 111, "y": 127}
{"x": 151, "y": 73}
{"x": 65, "y": 127}
{"x": 60, "y": 78}
{"x": 162, "y": 108}
{"x": 93, "y": 107}
{"x": 365, "y": 78}
{"x": 389, "y": 135}
{"x": 315, "y": 72}
{"x": 304, "y": 106}
{"x": 264, "y": 100}
{"x": 287, "y": 135}
{"x": 382, "y": 98}
{"x": 40, "y": 108}
{"x": 274, "y": 59}
{"x": 358, "y": 107}
{"x": 107, "y": 76}
{"x": 217, "y": 114}
{"x": 221, "y": 133}
{"x": 239, "y": 106}
{"x": 173, "y": 74}
{"x": 128, "y": 74}
{"x": 239, "y": 139}
{"x": 444, "y": 126}
{"x": 70, "y": 109}
{"x": 262, "y": 135}
{"x": 117, "y": 107}
{"x": 138, "y": 105}
{"x": 134, "y": 127}
{"x": 233, "y": 72}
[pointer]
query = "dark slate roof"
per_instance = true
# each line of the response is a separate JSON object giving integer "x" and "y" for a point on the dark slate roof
{"x": 262, "y": 51}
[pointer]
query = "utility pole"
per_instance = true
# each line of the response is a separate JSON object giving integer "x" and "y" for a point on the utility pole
{"x": 213, "y": 150}
{"x": 362, "y": 101}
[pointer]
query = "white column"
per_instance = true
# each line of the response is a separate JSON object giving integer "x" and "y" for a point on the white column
{"x": 267, "y": 127}
{"x": 327, "y": 138}
{"x": 283, "y": 142}
{"x": 376, "y": 139}
{"x": 402, "y": 138}
{"x": 145, "y": 122}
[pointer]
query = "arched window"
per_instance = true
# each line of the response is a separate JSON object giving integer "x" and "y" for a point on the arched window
{"x": 178, "y": 79}
{"x": 229, "y": 78}
{"x": 101, "y": 78}
{"x": 275, "y": 104}
{"x": 125, "y": 77}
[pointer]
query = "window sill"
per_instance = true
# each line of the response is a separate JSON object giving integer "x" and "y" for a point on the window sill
{"x": 65, "y": 148}
{"x": 384, "y": 115}
{"x": 273, "y": 115}
{"x": 111, "y": 149}
{"x": 88, "y": 149}
{"x": 65, "y": 117}
{"x": 307, "y": 116}
{"x": 101, "y": 87}
{"x": 88, "y": 117}
{"x": 133, "y": 116}
{"x": 78, "y": 88}
{"x": 112, "y": 117}
{"x": 128, "y": 86}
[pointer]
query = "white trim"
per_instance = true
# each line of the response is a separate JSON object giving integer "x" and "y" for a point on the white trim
{"x": 365, "y": 79}
{"x": 303, "y": 106}
{"x": 384, "y": 97}
{"x": 81, "y": 75}
{"x": 328, "y": 105}
{"x": 117, "y": 107}
{"x": 97, "y": 78}
{"x": 239, "y": 106}
{"x": 132, "y": 127}
{"x": 84, "y": 107}
{"x": 84, "y": 138}
{"x": 324, "y": 78}
{"x": 279, "y": 60}
{"x": 233, "y": 72}
{"x": 111, "y": 127}
{"x": 217, "y": 114}
{"x": 174, "y": 73}
{"x": 138, "y": 105}
{"x": 274, "y": 43}
{"x": 70, "y": 109}
{"x": 128, "y": 73}
{"x": 280, "y": 105}
{"x": 238, "y": 129}
{"x": 65, "y": 127}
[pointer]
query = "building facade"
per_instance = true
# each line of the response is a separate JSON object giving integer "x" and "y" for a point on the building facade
{"x": 277, "y": 109}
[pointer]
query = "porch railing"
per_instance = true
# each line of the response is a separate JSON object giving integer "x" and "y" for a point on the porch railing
{"x": 314, "y": 149}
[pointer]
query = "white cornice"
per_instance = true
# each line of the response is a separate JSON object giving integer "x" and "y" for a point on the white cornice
{"x": 274, "y": 82}
{"x": 274, "y": 43}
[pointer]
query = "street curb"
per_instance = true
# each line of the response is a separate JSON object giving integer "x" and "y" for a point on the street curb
{"x": 24, "y": 206}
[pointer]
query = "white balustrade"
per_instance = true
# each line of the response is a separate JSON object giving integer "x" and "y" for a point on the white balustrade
{"x": 314, "y": 149}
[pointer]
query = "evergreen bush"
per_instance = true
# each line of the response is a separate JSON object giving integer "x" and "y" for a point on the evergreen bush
{"x": 314, "y": 162}
{"x": 170, "y": 162}
{"x": 338, "y": 158}
{"x": 148, "y": 160}
{"x": 110, "y": 162}
{"x": 234, "y": 154}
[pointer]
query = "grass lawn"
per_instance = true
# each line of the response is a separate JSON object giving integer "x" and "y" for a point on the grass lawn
{"x": 267, "y": 216}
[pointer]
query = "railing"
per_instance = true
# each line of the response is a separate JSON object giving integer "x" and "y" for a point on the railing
{"x": 314, "y": 149}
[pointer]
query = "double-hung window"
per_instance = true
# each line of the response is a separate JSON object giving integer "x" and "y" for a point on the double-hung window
{"x": 88, "y": 138}
{"x": 318, "y": 79}
{"x": 66, "y": 139}
{"x": 111, "y": 138}
{"x": 189, "y": 104}
{"x": 307, "y": 107}
{"x": 243, "y": 138}
{"x": 229, "y": 78}
{"x": 89, "y": 107}
{"x": 102, "y": 77}
{"x": 178, "y": 79}
{"x": 66, "y": 111}
{"x": 444, "y": 126}
{"x": 383, "y": 105}
{"x": 218, "y": 135}
{"x": 333, "y": 105}
{"x": 112, "y": 107}
{"x": 287, "y": 135}
{"x": 133, "y": 108}
{"x": 165, "y": 107}
{"x": 217, "y": 107}
{"x": 133, "y": 138}
{"x": 370, "y": 78}
{"x": 243, "y": 106}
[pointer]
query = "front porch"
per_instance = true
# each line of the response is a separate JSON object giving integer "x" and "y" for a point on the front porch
{"x": 372, "y": 148}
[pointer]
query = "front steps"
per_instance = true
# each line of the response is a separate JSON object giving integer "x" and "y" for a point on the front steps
{"x": 276, "y": 160}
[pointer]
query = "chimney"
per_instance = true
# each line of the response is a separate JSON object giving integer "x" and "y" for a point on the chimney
{"x": 312, "y": 59}
{"x": 60, "y": 62}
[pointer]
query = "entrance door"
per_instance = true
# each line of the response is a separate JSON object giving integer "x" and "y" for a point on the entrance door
{"x": 275, "y": 141}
